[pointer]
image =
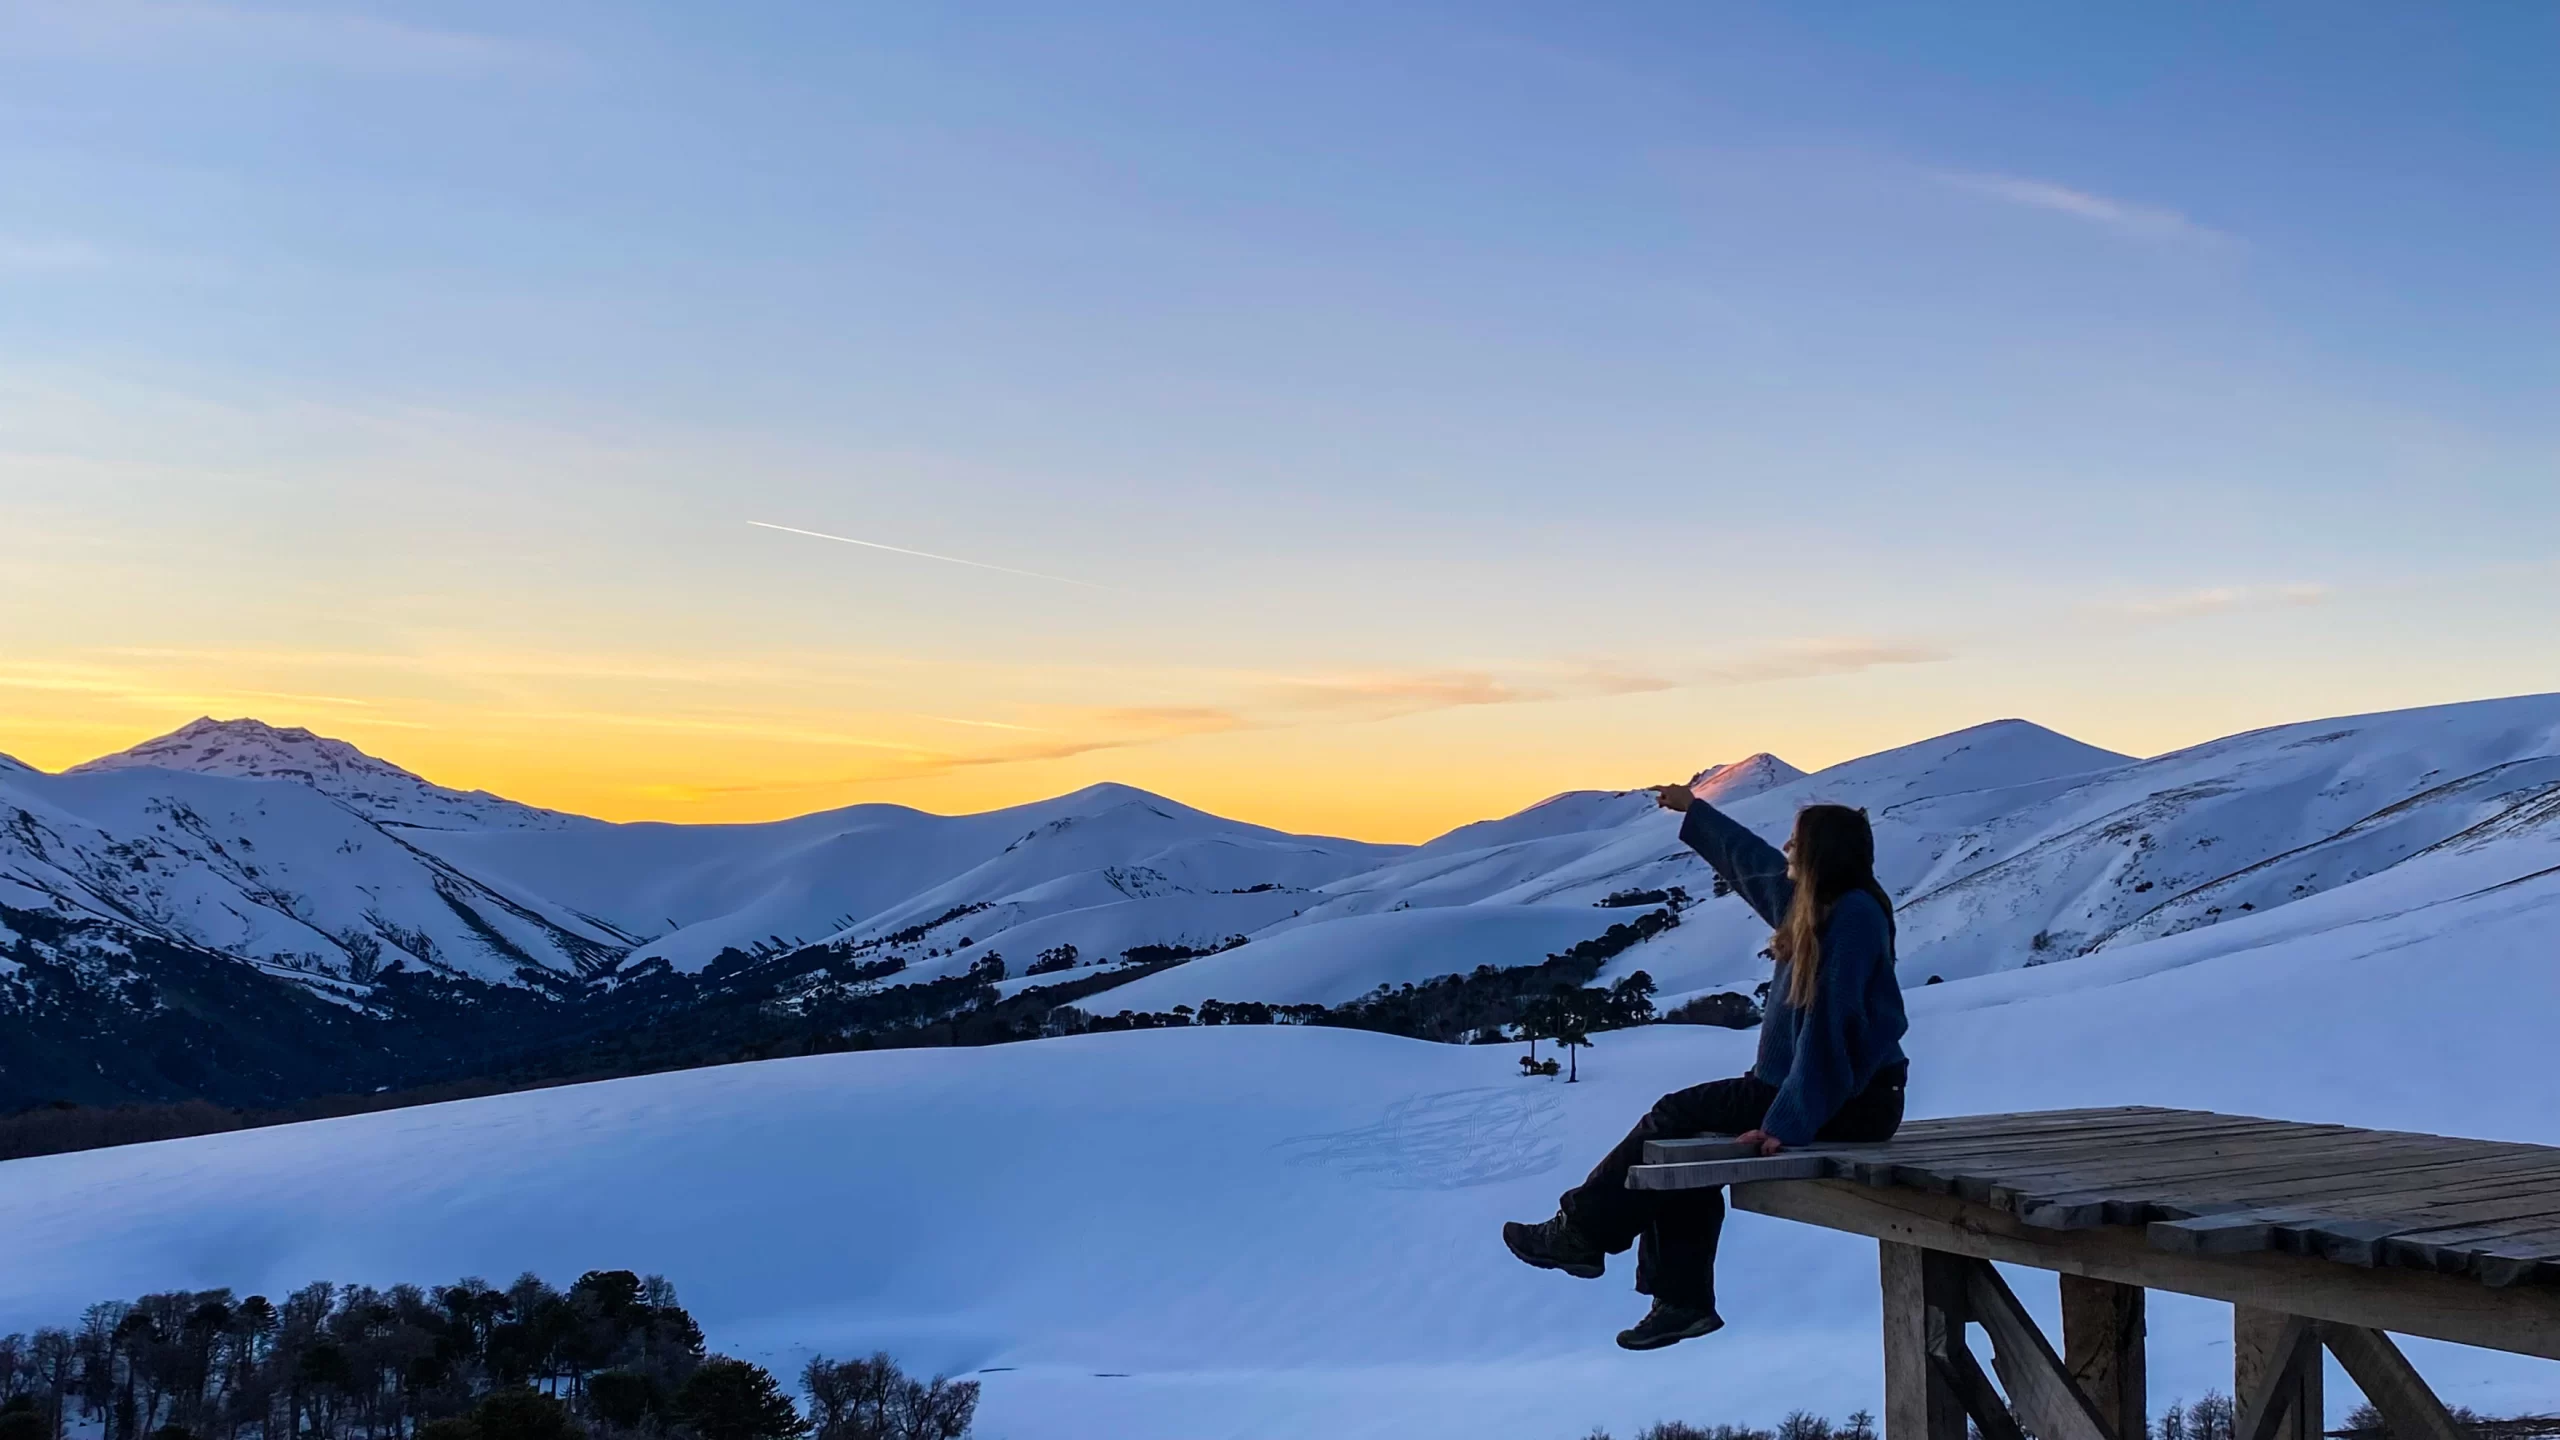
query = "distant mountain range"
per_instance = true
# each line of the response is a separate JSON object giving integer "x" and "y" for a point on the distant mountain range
{"x": 237, "y": 910}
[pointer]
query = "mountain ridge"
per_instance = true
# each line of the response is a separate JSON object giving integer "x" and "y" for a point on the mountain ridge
{"x": 2005, "y": 845}
{"x": 381, "y": 791}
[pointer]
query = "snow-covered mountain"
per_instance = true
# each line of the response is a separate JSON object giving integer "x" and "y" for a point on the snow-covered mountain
{"x": 376, "y": 789}
{"x": 1120, "y": 861}
{"x": 2006, "y": 846}
{"x": 1742, "y": 779}
{"x": 309, "y": 858}
{"x": 2234, "y": 827}
{"x": 275, "y": 873}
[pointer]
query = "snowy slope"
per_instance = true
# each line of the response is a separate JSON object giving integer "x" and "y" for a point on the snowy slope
{"x": 1282, "y": 1233}
{"x": 1328, "y": 964}
{"x": 374, "y": 788}
{"x": 2240, "y": 825}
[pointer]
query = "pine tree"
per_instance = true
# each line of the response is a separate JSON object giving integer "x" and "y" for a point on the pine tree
{"x": 731, "y": 1399}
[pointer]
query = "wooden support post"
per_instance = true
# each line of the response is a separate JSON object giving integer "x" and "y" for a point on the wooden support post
{"x": 2102, "y": 1348}
{"x": 1923, "y": 1321}
{"x": 2393, "y": 1385}
{"x": 2275, "y": 1377}
{"x": 2046, "y": 1403}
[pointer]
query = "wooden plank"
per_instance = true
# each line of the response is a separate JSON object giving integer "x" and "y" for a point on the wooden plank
{"x": 2408, "y": 1186}
{"x": 2457, "y": 1166}
{"x": 1701, "y": 1147}
{"x": 2498, "y": 1255}
{"x": 2217, "y": 1164}
{"x": 2534, "y": 1232}
{"x": 2166, "y": 1123}
{"x": 2099, "y": 1140}
{"x": 2103, "y": 1333}
{"x": 2063, "y": 1210}
{"x": 2510, "y": 1195}
{"x": 2523, "y": 1211}
{"x": 2143, "y": 1165}
{"x": 2394, "y": 1386}
{"x": 2349, "y": 1242}
{"x": 2030, "y": 1120}
{"x": 2096, "y": 1158}
{"x": 2234, "y": 1233}
{"x": 2190, "y": 1121}
{"x": 1919, "y": 1403}
{"x": 2355, "y": 1188}
{"x": 2048, "y": 1406}
{"x": 2275, "y": 1376}
{"x": 2523, "y": 1321}
{"x": 1702, "y": 1174}
{"x": 2377, "y": 1167}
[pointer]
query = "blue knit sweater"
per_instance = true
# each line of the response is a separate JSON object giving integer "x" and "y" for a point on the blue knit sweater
{"x": 1822, "y": 1055}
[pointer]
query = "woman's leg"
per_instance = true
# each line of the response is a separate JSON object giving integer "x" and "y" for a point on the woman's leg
{"x": 1678, "y": 1228}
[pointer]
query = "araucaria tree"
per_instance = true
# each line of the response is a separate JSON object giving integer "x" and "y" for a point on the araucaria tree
{"x": 612, "y": 1358}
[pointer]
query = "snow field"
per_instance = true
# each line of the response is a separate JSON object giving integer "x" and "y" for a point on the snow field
{"x": 1284, "y": 1232}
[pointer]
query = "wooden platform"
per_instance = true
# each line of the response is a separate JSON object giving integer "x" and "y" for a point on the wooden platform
{"x": 2203, "y": 1183}
{"x": 2319, "y": 1236}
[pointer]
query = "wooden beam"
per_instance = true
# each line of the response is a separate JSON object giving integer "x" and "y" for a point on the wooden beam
{"x": 1923, "y": 1295}
{"x": 2275, "y": 1376}
{"x": 1981, "y": 1403}
{"x": 1699, "y": 1147}
{"x": 2048, "y": 1405}
{"x": 2103, "y": 1328}
{"x": 1701, "y": 1174}
{"x": 2523, "y": 1320}
{"x": 2393, "y": 1385}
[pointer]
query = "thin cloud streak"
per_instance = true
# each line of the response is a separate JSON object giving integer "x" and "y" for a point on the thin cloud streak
{"x": 21, "y": 254}
{"x": 2216, "y": 600}
{"x": 1121, "y": 729}
{"x": 1808, "y": 659}
{"x": 928, "y": 555}
{"x": 1399, "y": 693}
{"x": 2146, "y": 221}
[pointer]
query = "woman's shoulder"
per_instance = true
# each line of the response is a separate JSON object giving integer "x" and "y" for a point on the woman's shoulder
{"x": 1857, "y": 912}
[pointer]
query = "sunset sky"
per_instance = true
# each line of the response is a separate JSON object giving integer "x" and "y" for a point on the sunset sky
{"x": 1357, "y": 418}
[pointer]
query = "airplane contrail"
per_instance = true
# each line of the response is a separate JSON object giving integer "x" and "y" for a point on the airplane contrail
{"x": 926, "y": 555}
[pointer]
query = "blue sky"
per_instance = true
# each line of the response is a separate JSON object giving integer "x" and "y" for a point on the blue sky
{"x": 1459, "y": 402}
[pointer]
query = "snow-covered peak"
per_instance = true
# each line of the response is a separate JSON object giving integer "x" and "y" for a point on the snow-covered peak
{"x": 374, "y": 788}
{"x": 1724, "y": 784}
{"x": 12, "y": 765}
{"x": 1988, "y": 757}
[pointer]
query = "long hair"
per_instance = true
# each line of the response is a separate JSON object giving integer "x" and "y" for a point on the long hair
{"x": 1835, "y": 853}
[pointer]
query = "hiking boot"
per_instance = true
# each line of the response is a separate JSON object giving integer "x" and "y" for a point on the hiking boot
{"x": 1553, "y": 1244}
{"x": 1669, "y": 1324}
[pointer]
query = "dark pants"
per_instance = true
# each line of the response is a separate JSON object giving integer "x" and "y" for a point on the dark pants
{"x": 1675, "y": 1231}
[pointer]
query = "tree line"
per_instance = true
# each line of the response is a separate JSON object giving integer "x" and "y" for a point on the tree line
{"x": 435, "y": 1037}
{"x": 614, "y": 1357}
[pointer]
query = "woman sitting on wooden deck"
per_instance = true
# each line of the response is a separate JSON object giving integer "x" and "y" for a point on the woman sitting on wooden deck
{"x": 1830, "y": 1065}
